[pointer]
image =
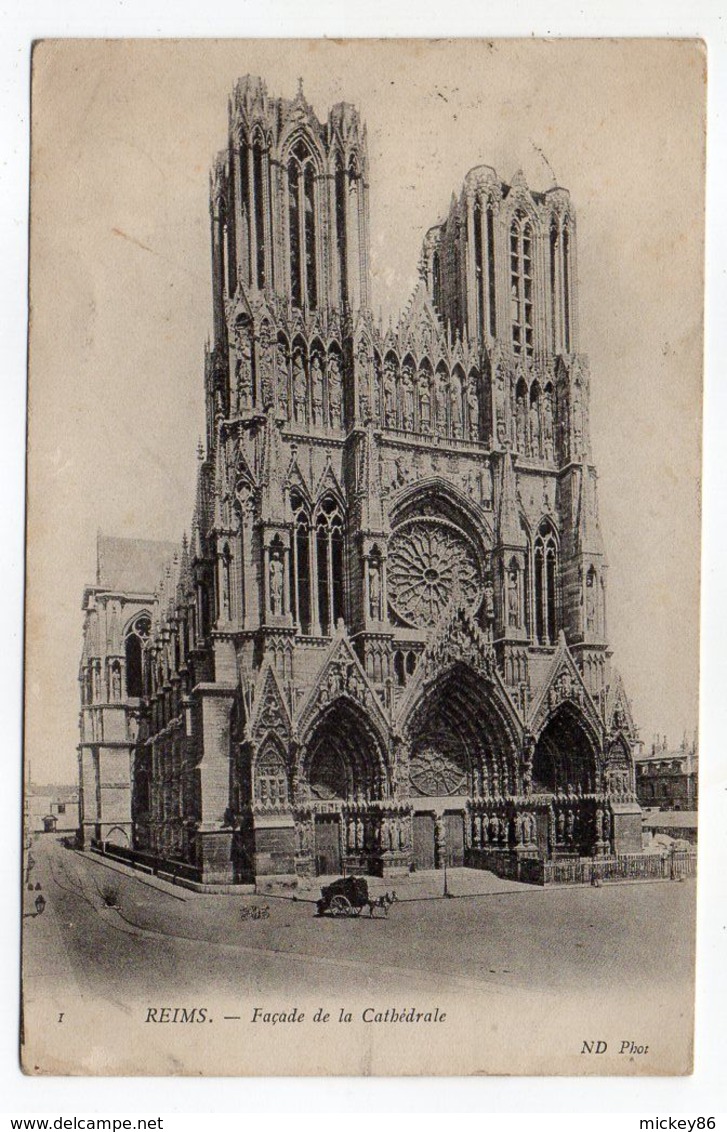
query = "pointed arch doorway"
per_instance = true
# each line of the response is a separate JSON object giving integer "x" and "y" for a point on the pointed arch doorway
{"x": 462, "y": 749}
{"x": 345, "y": 780}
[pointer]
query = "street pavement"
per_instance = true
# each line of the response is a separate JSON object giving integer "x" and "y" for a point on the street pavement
{"x": 521, "y": 937}
{"x": 525, "y": 972}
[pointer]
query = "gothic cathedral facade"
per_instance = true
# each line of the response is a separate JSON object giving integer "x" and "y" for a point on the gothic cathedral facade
{"x": 384, "y": 644}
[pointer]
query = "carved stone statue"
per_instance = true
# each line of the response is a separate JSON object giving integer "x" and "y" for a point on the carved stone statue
{"x": 473, "y": 410}
{"x": 281, "y": 360}
{"x": 548, "y": 451}
{"x": 407, "y": 398}
{"x": 276, "y": 583}
{"x": 316, "y": 376}
{"x": 334, "y": 391}
{"x": 534, "y": 429}
{"x": 389, "y": 394}
{"x": 243, "y": 371}
{"x": 489, "y": 600}
{"x": 577, "y": 415}
{"x": 441, "y": 404}
{"x": 265, "y": 355}
{"x": 375, "y": 590}
{"x": 455, "y": 403}
{"x": 521, "y": 418}
{"x": 513, "y": 598}
{"x": 300, "y": 389}
{"x": 425, "y": 402}
{"x": 115, "y": 682}
{"x": 362, "y": 382}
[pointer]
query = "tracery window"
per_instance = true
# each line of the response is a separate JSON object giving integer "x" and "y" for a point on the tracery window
{"x": 554, "y": 248}
{"x": 566, "y": 287}
{"x": 545, "y": 553}
{"x": 341, "y": 201}
{"x": 300, "y": 563}
{"x": 436, "y": 282}
{"x": 136, "y": 639}
{"x": 491, "y": 270}
{"x": 329, "y": 556}
{"x": 225, "y": 611}
{"x": 479, "y": 268}
{"x": 521, "y": 284}
{"x": 302, "y": 227}
{"x": 261, "y": 186}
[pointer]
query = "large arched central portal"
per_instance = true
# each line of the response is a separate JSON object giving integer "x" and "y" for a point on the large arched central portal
{"x": 463, "y": 747}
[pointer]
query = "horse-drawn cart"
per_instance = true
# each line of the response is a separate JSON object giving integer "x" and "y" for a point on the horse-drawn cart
{"x": 350, "y": 895}
{"x": 345, "y": 897}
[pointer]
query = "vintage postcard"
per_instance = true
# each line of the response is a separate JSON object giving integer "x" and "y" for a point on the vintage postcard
{"x": 363, "y": 557}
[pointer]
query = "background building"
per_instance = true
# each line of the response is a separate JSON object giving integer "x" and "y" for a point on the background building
{"x": 669, "y": 779}
{"x": 384, "y": 644}
{"x": 52, "y": 809}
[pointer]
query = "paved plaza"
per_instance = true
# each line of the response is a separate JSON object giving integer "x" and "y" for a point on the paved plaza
{"x": 521, "y": 937}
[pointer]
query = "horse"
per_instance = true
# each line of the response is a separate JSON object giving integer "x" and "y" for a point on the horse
{"x": 384, "y": 902}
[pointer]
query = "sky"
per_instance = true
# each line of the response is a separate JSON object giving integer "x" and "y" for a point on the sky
{"x": 123, "y": 137}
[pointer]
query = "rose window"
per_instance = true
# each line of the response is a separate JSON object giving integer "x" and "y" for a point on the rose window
{"x": 436, "y": 770}
{"x": 427, "y": 559}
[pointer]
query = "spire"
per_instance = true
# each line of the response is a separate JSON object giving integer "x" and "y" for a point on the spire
{"x": 185, "y": 578}
{"x": 509, "y": 527}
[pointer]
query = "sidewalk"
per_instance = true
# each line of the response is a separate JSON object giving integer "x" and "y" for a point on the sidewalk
{"x": 425, "y": 885}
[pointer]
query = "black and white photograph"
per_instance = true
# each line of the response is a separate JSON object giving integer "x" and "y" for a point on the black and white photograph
{"x": 363, "y": 557}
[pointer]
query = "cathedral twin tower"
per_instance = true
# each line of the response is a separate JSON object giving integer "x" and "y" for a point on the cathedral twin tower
{"x": 384, "y": 645}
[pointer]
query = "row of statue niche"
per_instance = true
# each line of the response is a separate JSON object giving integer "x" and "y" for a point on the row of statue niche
{"x": 533, "y": 423}
{"x": 619, "y": 782}
{"x": 420, "y": 403}
{"x": 492, "y": 830}
{"x": 96, "y": 689}
{"x": 477, "y": 484}
{"x": 389, "y": 833}
{"x": 316, "y": 388}
{"x": 567, "y": 826}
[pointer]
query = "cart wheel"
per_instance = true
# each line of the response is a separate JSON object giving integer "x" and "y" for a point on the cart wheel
{"x": 357, "y": 911}
{"x": 340, "y": 906}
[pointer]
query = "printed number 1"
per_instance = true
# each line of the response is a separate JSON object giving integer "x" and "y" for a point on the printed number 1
{"x": 60, "y": 1016}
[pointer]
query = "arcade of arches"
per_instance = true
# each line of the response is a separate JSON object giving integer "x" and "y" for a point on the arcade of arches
{"x": 460, "y": 786}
